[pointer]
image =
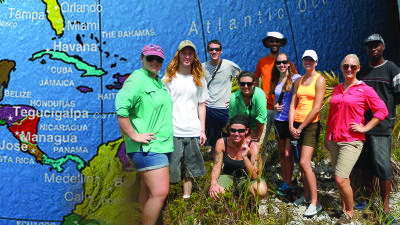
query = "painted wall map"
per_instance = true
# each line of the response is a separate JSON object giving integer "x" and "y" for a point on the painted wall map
{"x": 62, "y": 62}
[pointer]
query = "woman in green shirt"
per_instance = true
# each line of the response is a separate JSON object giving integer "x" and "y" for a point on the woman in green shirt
{"x": 144, "y": 110}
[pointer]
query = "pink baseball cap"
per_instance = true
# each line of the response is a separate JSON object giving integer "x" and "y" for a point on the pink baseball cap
{"x": 153, "y": 50}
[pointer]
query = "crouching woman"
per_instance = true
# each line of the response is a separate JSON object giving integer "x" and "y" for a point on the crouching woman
{"x": 239, "y": 154}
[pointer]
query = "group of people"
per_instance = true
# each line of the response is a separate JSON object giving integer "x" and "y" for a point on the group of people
{"x": 166, "y": 121}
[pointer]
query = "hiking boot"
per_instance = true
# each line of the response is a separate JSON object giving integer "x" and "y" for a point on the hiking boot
{"x": 345, "y": 219}
{"x": 284, "y": 189}
{"x": 301, "y": 201}
{"x": 312, "y": 210}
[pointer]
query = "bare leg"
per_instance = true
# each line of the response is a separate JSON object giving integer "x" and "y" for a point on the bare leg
{"x": 346, "y": 194}
{"x": 308, "y": 175}
{"x": 286, "y": 154}
{"x": 144, "y": 193}
{"x": 385, "y": 193}
{"x": 155, "y": 185}
{"x": 187, "y": 185}
{"x": 261, "y": 187}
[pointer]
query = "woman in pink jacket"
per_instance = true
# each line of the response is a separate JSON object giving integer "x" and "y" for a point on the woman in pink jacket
{"x": 345, "y": 128}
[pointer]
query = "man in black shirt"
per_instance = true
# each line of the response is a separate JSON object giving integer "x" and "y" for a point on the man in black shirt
{"x": 384, "y": 77}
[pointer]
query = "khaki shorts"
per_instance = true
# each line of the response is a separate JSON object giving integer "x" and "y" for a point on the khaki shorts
{"x": 344, "y": 156}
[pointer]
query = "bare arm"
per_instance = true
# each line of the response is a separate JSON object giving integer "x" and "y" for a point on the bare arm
{"x": 201, "y": 109}
{"x": 354, "y": 127}
{"x": 278, "y": 107}
{"x": 127, "y": 128}
{"x": 257, "y": 135}
{"x": 215, "y": 188}
{"x": 250, "y": 154}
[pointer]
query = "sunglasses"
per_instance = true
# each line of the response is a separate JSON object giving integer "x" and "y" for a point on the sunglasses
{"x": 346, "y": 67}
{"x": 249, "y": 84}
{"x": 240, "y": 131}
{"x": 274, "y": 41}
{"x": 280, "y": 62}
{"x": 150, "y": 58}
{"x": 216, "y": 49}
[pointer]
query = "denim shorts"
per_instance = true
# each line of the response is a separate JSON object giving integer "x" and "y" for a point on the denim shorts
{"x": 144, "y": 161}
{"x": 375, "y": 156}
{"x": 282, "y": 130}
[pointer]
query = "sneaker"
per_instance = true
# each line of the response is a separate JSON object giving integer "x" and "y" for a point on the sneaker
{"x": 363, "y": 206}
{"x": 345, "y": 219}
{"x": 312, "y": 210}
{"x": 186, "y": 197}
{"x": 284, "y": 189}
{"x": 390, "y": 219}
{"x": 301, "y": 201}
{"x": 360, "y": 206}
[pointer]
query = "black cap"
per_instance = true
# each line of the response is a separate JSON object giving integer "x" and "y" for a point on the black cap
{"x": 372, "y": 38}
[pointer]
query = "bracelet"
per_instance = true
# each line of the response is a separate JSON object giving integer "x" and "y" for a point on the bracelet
{"x": 203, "y": 131}
{"x": 301, "y": 127}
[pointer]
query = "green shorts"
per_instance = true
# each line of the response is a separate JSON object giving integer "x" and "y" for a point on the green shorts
{"x": 226, "y": 181}
{"x": 310, "y": 134}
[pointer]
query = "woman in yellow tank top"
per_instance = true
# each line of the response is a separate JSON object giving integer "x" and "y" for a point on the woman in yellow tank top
{"x": 304, "y": 126}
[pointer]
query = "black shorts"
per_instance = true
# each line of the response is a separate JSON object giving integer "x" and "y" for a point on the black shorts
{"x": 281, "y": 130}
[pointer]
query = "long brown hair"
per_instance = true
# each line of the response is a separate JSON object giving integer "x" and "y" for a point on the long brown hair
{"x": 197, "y": 69}
{"x": 276, "y": 74}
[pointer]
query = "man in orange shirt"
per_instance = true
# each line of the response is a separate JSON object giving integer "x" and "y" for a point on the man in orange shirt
{"x": 274, "y": 41}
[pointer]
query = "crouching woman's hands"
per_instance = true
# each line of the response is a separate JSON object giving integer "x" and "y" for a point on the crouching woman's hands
{"x": 215, "y": 189}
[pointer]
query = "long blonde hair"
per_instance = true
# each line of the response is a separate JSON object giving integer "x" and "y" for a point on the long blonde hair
{"x": 197, "y": 69}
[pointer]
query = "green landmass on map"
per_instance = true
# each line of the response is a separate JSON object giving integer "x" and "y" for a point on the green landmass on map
{"x": 89, "y": 70}
{"x": 55, "y": 17}
{"x": 111, "y": 193}
{"x": 57, "y": 164}
{"x": 75, "y": 219}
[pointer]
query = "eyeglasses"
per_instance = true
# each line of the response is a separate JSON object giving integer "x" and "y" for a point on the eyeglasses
{"x": 280, "y": 62}
{"x": 249, "y": 84}
{"x": 346, "y": 67}
{"x": 150, "y": 58}
{"x": 240, "y": 131}
{"x": 216, "y": 49}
